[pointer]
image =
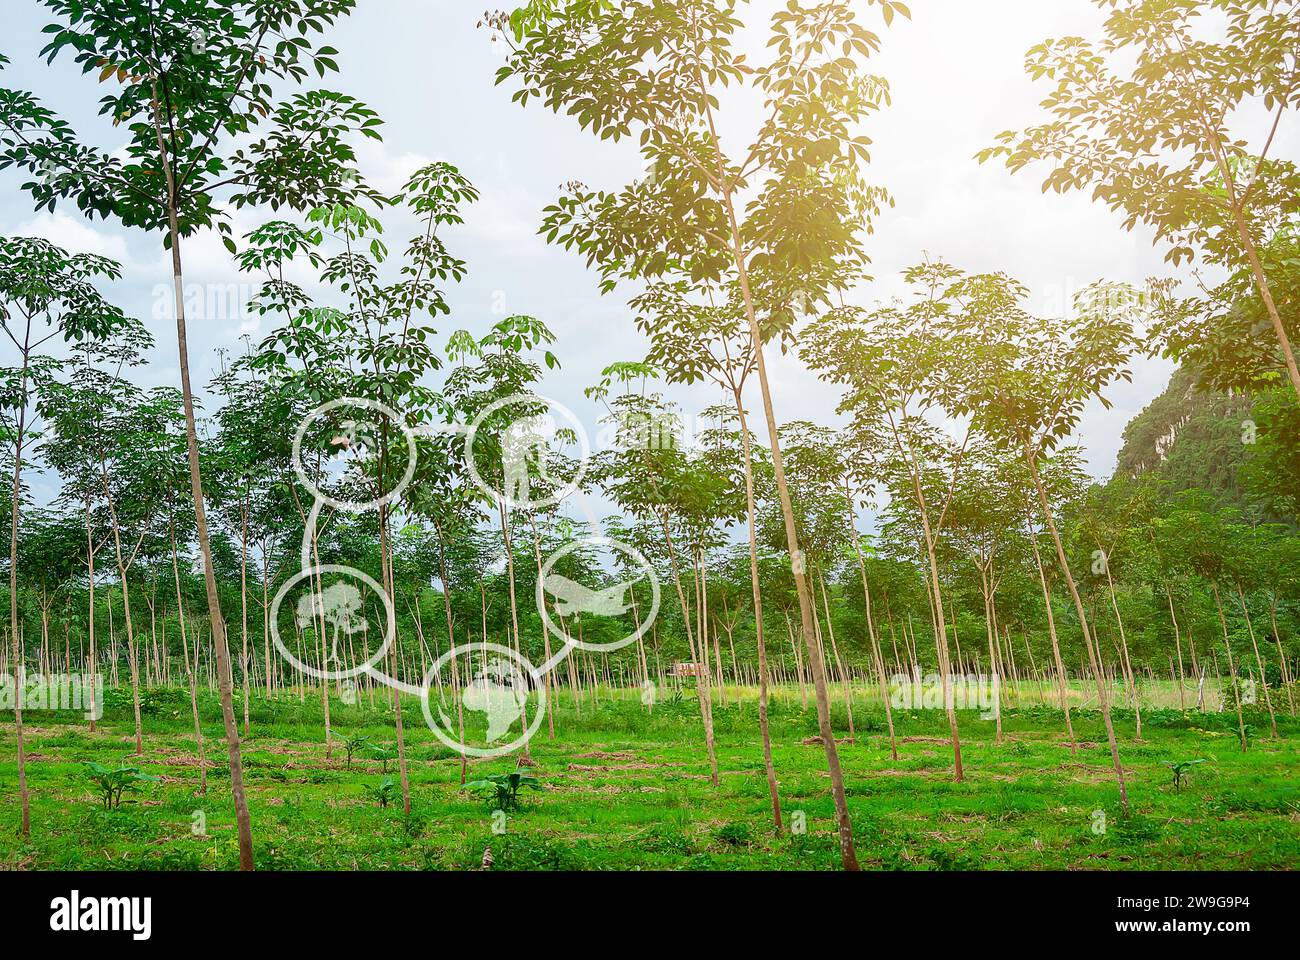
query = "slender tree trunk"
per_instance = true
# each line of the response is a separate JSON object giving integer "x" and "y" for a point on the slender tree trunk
{"x": 1098, "y": 673}
{"x": 224, "y": 679}
{"x": 1056, "y": 643}
{"x": 25, "y": 825}
{"x": 871, "y": 632}
{"x": 90, "y": 613}
{"x": 848, "y": 855}
{"x": 1232, "y": 667}
{"x": 1129, "y": 678}
{"x": 1257, "y": 270}
{"x": 935, "y": 590}
{"x": 701, "y": 674}
{"x": 386, "y": 560}
{"x": 751, "y": 526}
{"x": 451, "y": 640}
{"x": 191, "y": 671}
{"x": 548, "y": 685}
{"x": 1178, "y": 644}
{"x": 266, "y": 617}
{"x": 508, "y": 542}
{"x": 1281, "y": 655}
{"x": 993, "y": 659}
{"x": 1259, "y": 661}
{"x": 243, "y": 603}
{"x": 726, "y": 189}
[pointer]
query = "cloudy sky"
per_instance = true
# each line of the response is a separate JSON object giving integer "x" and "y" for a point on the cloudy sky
{"x": 957, "y": 79}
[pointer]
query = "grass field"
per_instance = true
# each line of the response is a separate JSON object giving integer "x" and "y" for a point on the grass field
{"x": 624, "y": 789}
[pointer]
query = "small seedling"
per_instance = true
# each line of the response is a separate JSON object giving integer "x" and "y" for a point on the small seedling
{"x": 351, "y": 745}
{"x": 1181, "y": 769}
{"x": 384, "y": 792}
{"x": 113, "y": 782}
{"x": 381, "y": 752}
{"x": 501, "y": 790}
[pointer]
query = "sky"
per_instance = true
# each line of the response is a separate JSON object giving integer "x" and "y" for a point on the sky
{"x": 957, "y": 79}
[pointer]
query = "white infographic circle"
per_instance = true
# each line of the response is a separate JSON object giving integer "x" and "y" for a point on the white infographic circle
{"x": 338, "y": 606}
{"x": 524, "y": 438}
{"x": 361, "y": 403}
{"x": 501, "y": 703}
{"x": 606, "y": 601}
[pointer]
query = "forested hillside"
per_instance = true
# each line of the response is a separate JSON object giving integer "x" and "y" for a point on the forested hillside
{"x": 1194, "y": 437}
{"x": 1191, "y": 437}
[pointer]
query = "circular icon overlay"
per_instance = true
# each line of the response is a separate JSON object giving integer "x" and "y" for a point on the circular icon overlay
{"x": 576, "y": 590}
{"x": 333, "y": 621}
{"x": 482, "y": 701}
{"x": 346, "y": 432}
{"x": 523, "y": 439}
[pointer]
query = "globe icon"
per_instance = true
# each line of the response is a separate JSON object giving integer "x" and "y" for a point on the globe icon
{"x": 499, "y": 692}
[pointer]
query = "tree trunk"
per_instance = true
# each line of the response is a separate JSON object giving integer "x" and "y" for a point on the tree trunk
{"x": 746, "y": 445}
{"x": 200, "y": 517}
{"x": 1129, "y": 677}
{"x": 701, "y": 675}
{"x": 1259, "y": 661}
{"x": 25, "y": 826}
{"x": 871, "y": 632}
{"x": 191, "y": 671}
{"x": 386, "y": 561}
{"x": 1098, "y": 675}
{"x": 243, "y": 603}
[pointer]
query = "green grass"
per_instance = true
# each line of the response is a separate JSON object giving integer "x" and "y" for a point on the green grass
{"x": 626, "y": 790}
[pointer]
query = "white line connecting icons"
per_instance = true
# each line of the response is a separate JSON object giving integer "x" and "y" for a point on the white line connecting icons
{"x": 499, "y": 687}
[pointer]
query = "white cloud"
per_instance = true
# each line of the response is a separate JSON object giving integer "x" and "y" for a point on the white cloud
{"x": 76, "y": 235}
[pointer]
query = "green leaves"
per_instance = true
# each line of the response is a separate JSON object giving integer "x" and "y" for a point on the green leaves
{"x": 351, "y": 744}
{"x": 655, "y": 70}
{"x": 112, "y": 782}
{"x": 534, "y": 13}
{"x": 501, "y": 790}
{"x": 374, "y": 342}
{"x": 183, "y": 77}
{"x": 1180, "y": 769}
{"x": 1025, "y": 379}
{"x": 1159, "y": 144}
{"x": 384, "y": 792}
{"x": 41, "y": 281}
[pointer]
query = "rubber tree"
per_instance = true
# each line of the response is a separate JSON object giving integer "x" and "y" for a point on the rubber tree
{"x": 1152, "y": 118}
{"x": 859, "y": 478}
{"x": 243, "y": 468}
{"x": 1201, "y": 539}
{"x": 443, "y": 495}
{"x": 697, "y": 332}
{"x": 252, "y": 456}
{"x": 1026, "y": 386}
{"x": 47, "y": 297}
{"x": 83, "y": 411}
{"x": 1110, "y": 521}
{"x": 1062, "y": 476}
{"x": 190, "y": 83}
{"x": 985, "y": 527}
{"x": 1248, "y": 552}
{"x": 815, "y": 471}
{"x": 783, "y": 217}
{"x": 899, "y": 370}
{"x": 492, "y": 387}
{"x": 51, "y": 545}
{"x": 378, "y": 347}
{"x": 133, "y": 472}
{"x": 647, "y": 472}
